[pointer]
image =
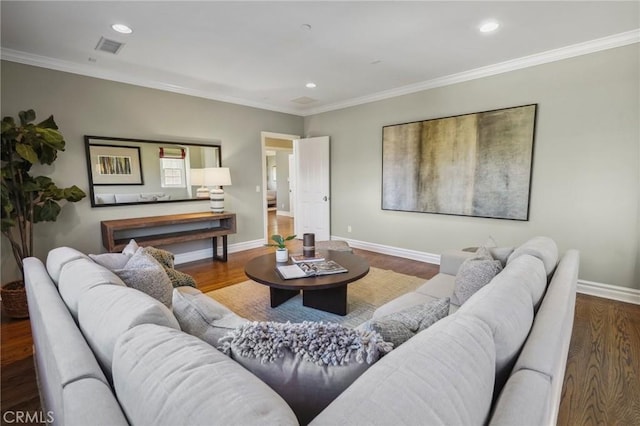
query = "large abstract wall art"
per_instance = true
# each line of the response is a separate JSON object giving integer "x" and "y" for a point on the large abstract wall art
{"x": 470, "y": 165}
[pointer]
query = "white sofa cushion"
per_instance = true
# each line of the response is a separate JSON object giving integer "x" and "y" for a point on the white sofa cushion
{"x": 524, "y": 396}
{"x": 106, "y": 312}
{"x": 400, "y": 303}
{"x": 442, "y": 376}
{"x": 79, "y": 276}
{"x": 111, "y": 261}
{"x": 167, "y": 377}
{"x": 89, "y": 402}
{"x": 506, "y": 305}
{"x": 60, "y": 256}
{"x": 439, "y": 286}
{"x": 203, "y": 317}
{"x": 127, "y": 198}
{"x": 544, "y": 248}
{"x": 105, "y": 198}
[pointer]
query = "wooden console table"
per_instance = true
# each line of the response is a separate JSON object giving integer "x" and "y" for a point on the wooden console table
{"x": 170, "y": 229}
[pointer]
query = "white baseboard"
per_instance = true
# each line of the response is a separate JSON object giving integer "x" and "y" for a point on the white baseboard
{"x": 608, "y": 291}
{"x": 207, "y": 253}
{"x": 283, "y": 213}
{"x": 393, "y": 251}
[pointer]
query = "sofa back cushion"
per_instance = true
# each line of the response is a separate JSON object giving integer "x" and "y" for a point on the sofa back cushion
{"x": 61, "y": 353}
{"x": 167, "y": 377}
{"x": 443, "y": 375}
{"x": 60, "y": 256}
{"x": 544, "y": 248}
{"x": 547, "y": 346}
{"x": 90, "y": 402}
{"x": 506, "y": 305}
{"x": 106, "y": 312}
{"x": 79, "y": 276}
{"x": 524, "y": 400}
{"x": 203, "y": 317}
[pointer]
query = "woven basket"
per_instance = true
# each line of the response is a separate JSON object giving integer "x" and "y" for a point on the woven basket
{"x": 14, "y": 299}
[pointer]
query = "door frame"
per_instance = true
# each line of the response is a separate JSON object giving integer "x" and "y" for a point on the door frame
{"x": 263, "y": 159}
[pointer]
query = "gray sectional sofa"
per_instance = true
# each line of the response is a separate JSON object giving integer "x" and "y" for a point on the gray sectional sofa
{"x": 107, "y": 354}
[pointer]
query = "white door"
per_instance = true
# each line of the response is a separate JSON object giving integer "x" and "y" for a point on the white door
{"x": 311, "y": 190}
{"x": 292, "y": 185}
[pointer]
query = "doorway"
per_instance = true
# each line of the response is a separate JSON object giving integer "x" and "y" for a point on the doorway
{"x": 277, "y": 167}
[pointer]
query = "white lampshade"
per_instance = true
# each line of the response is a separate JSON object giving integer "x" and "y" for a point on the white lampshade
{"x": 197, "y": 177}
{"x": 217, "y": 176}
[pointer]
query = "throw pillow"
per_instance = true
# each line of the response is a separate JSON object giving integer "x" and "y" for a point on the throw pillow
{"x": 131, "y": 248}
{"x": 474, "y": 273}
{"x": 501, "y": 254}
{"x": 202, "y": 316}
{"x": 309, "y": 364}
{"x": 399, "y": 327}
{"x": 144, "y": 273}
{"x": 111, "y": 261}
{"x": 180, "y": 279}
{"x": 166, "y": 258}
{"x": 483, "y": 253}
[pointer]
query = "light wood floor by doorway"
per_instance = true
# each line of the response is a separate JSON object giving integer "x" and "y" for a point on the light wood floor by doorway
{"x": 602, "y": 381}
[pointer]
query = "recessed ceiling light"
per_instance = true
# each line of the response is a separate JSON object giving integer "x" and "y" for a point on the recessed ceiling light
{"x": 489, "y": 26}
{"x": 310, "y": 85}
{"x": 122, "y": 29}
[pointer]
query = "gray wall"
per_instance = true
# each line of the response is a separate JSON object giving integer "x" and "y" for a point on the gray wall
{"x": 586, "y": 186}
{"x": 585, "y": 189}
{"x": 83, "y": 105}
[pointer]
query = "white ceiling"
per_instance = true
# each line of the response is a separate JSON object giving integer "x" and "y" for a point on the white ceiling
{"x": 259, "y": 54}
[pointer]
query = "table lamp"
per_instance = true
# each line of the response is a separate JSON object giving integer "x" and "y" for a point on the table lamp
{"x": 197, "y": 178}
{"x": 217, "y": 176}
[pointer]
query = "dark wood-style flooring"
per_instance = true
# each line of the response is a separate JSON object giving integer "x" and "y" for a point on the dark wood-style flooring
{"x": 602, "y": 381}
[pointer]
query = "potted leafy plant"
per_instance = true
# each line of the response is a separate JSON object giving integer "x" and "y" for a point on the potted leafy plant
{"x": 28, "y": 199}
{"x": 282, "y": 253}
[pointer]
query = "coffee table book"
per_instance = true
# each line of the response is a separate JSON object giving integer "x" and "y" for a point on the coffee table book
{"x": 299, "y": 258}
{"x": 309, "y": 269}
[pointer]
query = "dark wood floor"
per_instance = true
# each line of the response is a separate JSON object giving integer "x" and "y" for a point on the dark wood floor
{"x": 602, "y": 382}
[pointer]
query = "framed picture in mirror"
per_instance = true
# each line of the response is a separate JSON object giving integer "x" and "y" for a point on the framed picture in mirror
{"x": 115, "y": 165}
{"x": 140, "y": 171}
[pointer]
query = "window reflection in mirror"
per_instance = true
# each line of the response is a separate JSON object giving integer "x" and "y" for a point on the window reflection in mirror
{"x": 137, "y": 171}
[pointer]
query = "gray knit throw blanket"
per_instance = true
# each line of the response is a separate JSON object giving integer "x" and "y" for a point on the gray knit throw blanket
{"x": 318, "y": 342}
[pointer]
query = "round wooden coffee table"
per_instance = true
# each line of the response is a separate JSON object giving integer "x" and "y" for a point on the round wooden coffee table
{"x": 326, "y": 292}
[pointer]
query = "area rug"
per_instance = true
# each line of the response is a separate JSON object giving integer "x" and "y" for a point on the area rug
{"x": 251, "y": 300}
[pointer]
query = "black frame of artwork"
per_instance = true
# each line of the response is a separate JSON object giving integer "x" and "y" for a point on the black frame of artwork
{"x": 477, "y": 164}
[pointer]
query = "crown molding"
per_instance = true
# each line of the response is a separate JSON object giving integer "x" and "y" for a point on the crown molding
{"x": 593, "y": 46}
{"x": 88, "y": 71}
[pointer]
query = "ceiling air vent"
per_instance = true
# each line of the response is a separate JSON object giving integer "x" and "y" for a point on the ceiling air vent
{"x": 110, "y": 46}
{"x": 304, "y": 100}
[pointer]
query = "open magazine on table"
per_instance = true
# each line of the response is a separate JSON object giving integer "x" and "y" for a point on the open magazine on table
{"x": 310, "y": 269}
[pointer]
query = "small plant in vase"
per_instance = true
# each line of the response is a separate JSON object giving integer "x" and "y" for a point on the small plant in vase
{"x": 282, "y": 253}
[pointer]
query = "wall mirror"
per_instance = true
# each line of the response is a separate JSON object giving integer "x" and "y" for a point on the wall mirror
{"x": 137, "y": 171}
